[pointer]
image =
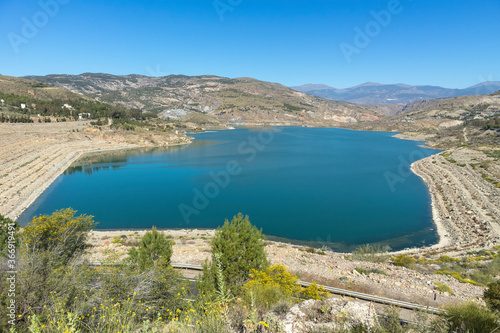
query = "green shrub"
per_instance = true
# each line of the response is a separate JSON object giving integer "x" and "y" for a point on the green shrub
{"x": 492, "y": 296}
{"x": 458, "y": 277}
{"x": 241, "y": 247}
{"x": 275, "y": 284}
{"x": 377, "y": 271}
{"x": 154, "y": 248}
{"x": 404, "y": 260}
{"x": 315, "y": 251}
{"x": 470, "y": 317}
{"x": 444, "y": 258}
{"x": 361, "y": 271}
{"x": 63, "y": 234}
{"x": 443, "y": 287}
{"x": 368, "y": 271}
{"x": 371, "y": 253}
{"x": 116, "y": 241}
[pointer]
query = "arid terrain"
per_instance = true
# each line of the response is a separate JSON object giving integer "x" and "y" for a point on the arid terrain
{"x": 328, "y": 268}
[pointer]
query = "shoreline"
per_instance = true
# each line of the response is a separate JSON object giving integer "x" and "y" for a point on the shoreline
{"x": 448, "y": 235}
{"x": 444, "y": 238}
{"x": 35, "y": 155}
{"x": 24, "y": 204}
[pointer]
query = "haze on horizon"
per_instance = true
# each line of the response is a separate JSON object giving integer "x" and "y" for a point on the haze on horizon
{"x": 337, "y": 43}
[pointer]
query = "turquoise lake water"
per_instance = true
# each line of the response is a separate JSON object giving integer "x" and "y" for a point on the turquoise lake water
{"x": 316, "y": 186}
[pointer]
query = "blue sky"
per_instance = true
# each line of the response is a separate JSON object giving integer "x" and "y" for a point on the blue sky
{"x": 447, "y": 42}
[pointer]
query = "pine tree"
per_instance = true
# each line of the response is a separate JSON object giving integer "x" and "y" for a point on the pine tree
{"x": 240, "y": 247}
{"x": 153, "y": 249}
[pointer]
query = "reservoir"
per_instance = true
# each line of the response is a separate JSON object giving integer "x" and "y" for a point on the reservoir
{"x": 314, "y": 186}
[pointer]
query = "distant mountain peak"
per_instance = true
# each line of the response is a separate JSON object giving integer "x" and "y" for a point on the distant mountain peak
{"x": 486, "y": 83}
{"x": 369, "y": 84}
{"x": 399, "y": 93}
{"x": 312, "y": 86}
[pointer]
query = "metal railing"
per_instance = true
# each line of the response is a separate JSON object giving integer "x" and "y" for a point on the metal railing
{"x": 336, "y": 291}
{"x": 345, "y": 292}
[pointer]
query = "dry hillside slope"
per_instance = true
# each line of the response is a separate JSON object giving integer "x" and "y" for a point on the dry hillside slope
{"x": 240, "y": 100}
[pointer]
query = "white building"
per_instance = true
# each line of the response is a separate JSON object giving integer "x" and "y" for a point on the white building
{"x": 84, "y": 116}
{"x": 23, "y": 106}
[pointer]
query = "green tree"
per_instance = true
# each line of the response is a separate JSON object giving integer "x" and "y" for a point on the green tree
{"x": 154, "y": 248}
{"x": 240, "y": 247}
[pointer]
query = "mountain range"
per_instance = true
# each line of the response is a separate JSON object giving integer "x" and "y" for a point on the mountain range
{"x": 208, "y": 97}
{"x": 376, "y": 93}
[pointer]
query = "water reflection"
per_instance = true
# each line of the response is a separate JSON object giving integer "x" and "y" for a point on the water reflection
{"x": 97, "y": 161}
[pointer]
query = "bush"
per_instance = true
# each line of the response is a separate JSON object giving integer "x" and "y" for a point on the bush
{"x": 492, "y": 296}
{"x": 444, "y": 258}
{"x": 241, "y": 248}
{"x": 403, "y": 260}
{"x": 443, "y": 288}
{"x": 371, "y": 253}
{"x": 363, "y": 271}
{"x": 315, "y": 251}
{"x": 313, "y": 291}
{"x": 63, "y": 234}
{"x": 457, "y": 276}
{"x": 272, "y": 285}
{"x": 276, "y": 284}
{"x": 153, "y": 248}
{"x": 470, "y": 317}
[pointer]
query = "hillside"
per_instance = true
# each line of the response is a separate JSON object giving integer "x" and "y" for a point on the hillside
{"x": 36, "y": 90}
{"x": 376, "y": 93}
{"x": 462, "y": 108}
{"x": 240, "y": 100}
{"x": 453, "y": 122}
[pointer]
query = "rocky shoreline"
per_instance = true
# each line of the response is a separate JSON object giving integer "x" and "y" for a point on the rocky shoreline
{"x": 465, "y": 206}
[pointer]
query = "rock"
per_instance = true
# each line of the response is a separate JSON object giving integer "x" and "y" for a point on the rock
{"x": 333, "y": 313}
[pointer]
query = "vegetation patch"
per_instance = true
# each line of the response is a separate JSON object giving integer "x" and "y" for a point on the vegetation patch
{"x": 458, "y": 277}
{"x": 443, "y": 288}
{"x": 404, "y": 260}
{"x": 372, "y": 253}
{"x": 369, "y": 271}
{"x": 315, "y": 251}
